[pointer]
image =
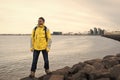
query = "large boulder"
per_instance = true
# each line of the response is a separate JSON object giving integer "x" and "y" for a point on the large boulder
{"x": 78, "y": 76}
{"x": 80, "y": 71}
{"x": 118, "y": 55}
{"x": 96, "y": 74}
{"x": 110, "y": 61}
{"x": 91, "y": 62}
{"x": 97, "y": 63}
{"x": 98, "y": 66}
{"x": 109, "y": 56}
{"x": 76, "y": 68}
{"x": 57, "y": 77}
{"x": 45, "y": 77}
{"x": 62, "y": 71}
{"x": 115, "y": 72}
{"x": 103, "y": 79}
{"x": 88, "y": 68}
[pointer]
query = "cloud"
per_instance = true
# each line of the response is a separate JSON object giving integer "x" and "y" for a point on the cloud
{"x": 67, "y": 15}
{"x": 109, "y": 9}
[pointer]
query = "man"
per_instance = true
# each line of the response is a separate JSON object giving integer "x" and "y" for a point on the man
{"x": 40, "y": 42}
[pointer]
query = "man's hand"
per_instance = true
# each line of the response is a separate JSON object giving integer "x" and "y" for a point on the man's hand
{"x": 47, "y": 49}
{"x": 31, "y": 49}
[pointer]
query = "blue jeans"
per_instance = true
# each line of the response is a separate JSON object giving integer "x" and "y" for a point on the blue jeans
{"x": 35, "y": 59}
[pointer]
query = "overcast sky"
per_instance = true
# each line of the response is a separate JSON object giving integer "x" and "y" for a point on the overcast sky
{"x": 20, "y": 16}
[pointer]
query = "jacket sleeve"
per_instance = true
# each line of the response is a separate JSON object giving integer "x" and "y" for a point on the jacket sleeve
{"x": 32, "y": 41}
{"x": 49, "y": 40}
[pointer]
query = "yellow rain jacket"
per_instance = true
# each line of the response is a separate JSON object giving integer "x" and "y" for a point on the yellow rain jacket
{"x": 38, "y": 39}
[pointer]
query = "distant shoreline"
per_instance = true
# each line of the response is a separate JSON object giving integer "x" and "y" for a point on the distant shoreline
{"x": 115, "y": 37}
{"x": 51, "y": 34}
{"x": 15, "y": 34}
{"x": 111, "y": 36}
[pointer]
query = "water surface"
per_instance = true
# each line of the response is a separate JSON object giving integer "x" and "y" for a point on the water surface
{"x": 16, "y": 58}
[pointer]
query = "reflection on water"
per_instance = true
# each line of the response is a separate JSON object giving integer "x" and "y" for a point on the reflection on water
{"x": 15, "y": 57}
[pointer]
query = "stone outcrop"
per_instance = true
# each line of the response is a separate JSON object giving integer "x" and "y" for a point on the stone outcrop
{"x": 107, "y": 68}
{"x": 115, "y": 37}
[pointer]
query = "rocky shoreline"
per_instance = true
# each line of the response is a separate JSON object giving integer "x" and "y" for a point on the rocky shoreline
{"x": 107, "y": 68}
{"x": 115, "y": 37}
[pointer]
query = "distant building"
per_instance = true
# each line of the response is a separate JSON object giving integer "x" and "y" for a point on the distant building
{"x": 57, "y": 33}
{"x": 95, "y": 31}
{"x": 91, "y": 32}
{"x": 100, "y": 31}
{"x": 103, "y": 32}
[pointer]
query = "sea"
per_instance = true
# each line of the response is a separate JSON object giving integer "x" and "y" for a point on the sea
{"x": 16, "y": 57}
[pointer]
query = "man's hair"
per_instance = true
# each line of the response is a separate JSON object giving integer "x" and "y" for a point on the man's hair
{"x": 42, "y": 19}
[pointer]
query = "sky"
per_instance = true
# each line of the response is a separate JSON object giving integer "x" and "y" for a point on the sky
{"x": 20, "y": 16}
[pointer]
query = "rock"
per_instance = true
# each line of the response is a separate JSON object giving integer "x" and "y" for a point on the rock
{"x": 107, "y": 68}
{"x": 118, "y": 78}
{"x": 27, "y": 78}
{"x": 109, "y": 56}
{"x": 109, "y": 61}
{"x": 88, "y": 68}
{"x": 45, "y": 77}
{"x": 91, "y": 62}
{"x": 98, "y": 65}
{"x": 96, "y": 74}
{"x": 57, "y": 77}
{"x": 118, "y": 59}
{"x": 115, "y": 71}
{"x": 62, "y": 71}
{"x": 103, "y": 79}
{"x": 118, "y": 55}
{"x": 113, "y": 36}
{"x": 78, "y": 76}
{"x": 76, "y": 68}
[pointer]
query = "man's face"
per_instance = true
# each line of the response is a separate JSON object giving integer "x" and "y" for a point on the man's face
{"x": 40, "y": 22}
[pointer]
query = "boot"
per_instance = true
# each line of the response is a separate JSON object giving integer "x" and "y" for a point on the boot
{"x": 47, "y": 71}
{"x": 32, "y": 74}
